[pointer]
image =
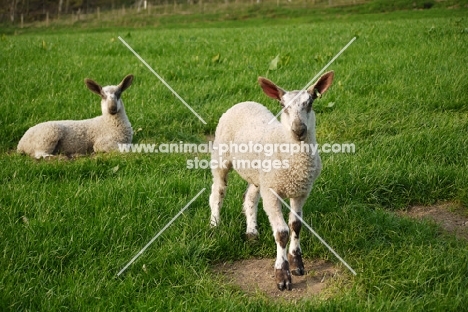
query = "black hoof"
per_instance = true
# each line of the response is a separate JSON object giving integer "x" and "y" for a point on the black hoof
{"x": 295, "y": 261}
{"x": 283, "y": 277}
{"x": 298, "y": 272}
{"x": 283, "y": 286}
{"x": 250, "y": 237}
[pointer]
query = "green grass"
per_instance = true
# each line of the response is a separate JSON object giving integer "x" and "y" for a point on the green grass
{"x": 68, "y": 226}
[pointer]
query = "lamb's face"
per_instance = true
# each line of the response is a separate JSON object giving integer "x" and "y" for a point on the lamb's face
{"x": 111, "y": 102}
{"x": 298, "y": 115}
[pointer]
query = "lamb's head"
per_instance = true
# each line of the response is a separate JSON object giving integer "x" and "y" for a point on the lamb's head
{"x": 111, "y": 103}
{"x": 297, "y": 114}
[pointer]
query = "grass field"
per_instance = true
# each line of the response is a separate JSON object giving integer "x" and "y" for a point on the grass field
{"x": 400, "y": 95}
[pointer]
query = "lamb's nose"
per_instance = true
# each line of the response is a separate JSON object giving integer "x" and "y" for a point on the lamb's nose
{"x": 113, "y": 109}
{"x": 300, "y": 131}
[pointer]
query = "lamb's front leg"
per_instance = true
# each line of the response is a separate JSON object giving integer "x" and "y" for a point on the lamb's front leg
{"x": 295, "y": 252}
{"x": 272, "y": 207}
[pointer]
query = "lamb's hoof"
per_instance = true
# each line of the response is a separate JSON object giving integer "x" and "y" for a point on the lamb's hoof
{"x": 298, "y": 272}
{"x": 283, "y": 286}
{"x": 251, "y": 237}
{"x": 214, "y": 222}
{"x": 297, "y": 266}
{"x": 283, "y": 277}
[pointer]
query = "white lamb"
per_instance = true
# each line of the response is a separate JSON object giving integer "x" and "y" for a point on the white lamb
{"x": 247, "y": 126}
{"x": 75, "y": 137}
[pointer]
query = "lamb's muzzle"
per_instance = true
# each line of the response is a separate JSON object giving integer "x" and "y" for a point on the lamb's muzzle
{"x": 299, "y": 129}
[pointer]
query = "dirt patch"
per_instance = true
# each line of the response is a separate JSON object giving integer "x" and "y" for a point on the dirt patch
{"x": 256, "y": 276}
{"x": 451, "y": 217}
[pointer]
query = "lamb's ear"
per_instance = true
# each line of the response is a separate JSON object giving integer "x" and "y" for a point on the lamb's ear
{"x": 271, "y": 89}
{"x": 93, "y": 86}
{"x": 126, "y": 82}
{"x": 322, "y": 85}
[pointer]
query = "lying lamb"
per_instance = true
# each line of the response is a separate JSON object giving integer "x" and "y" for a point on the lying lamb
{"x": 75, "y": 137}
{"x": 249, "y": 123}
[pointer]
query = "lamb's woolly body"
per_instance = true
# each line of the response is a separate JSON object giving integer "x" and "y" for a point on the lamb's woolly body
{"x": 78, "y": 137}
{"x": 249, "y": 123}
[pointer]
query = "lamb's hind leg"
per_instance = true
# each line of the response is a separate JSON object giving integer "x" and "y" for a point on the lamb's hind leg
{"x": 250, "y": 207}
{"x": 42, "y": 154}
{"x": 295, "y": 252}
{"x": 272, "y": 207}
{"x": 218, "y": 191}
{"x": 47, "y": 140}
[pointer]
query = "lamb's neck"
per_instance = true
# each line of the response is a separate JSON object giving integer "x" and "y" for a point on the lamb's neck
{"x": 307, "y": 150}
{"x": 310, "y": 139}
{"x": 119, "y": 118}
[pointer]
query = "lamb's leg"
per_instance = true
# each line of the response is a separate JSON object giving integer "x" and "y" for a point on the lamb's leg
{"x": 295, "y": 252}
{"x": 251, "y": 196}
{"x": 218, "y": 191}
{"x": 272, "y": 207}
{"x": 42, "y": 154}
{"x": 41, "y": 141}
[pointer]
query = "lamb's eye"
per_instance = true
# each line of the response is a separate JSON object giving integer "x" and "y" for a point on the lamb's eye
{"x": 309, "y": 105}
{"x": 283, "y": 106}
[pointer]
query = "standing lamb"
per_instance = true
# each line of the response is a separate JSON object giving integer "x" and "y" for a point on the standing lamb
{"x": 75, "y": 137}
{"x": 249, "y": 124}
